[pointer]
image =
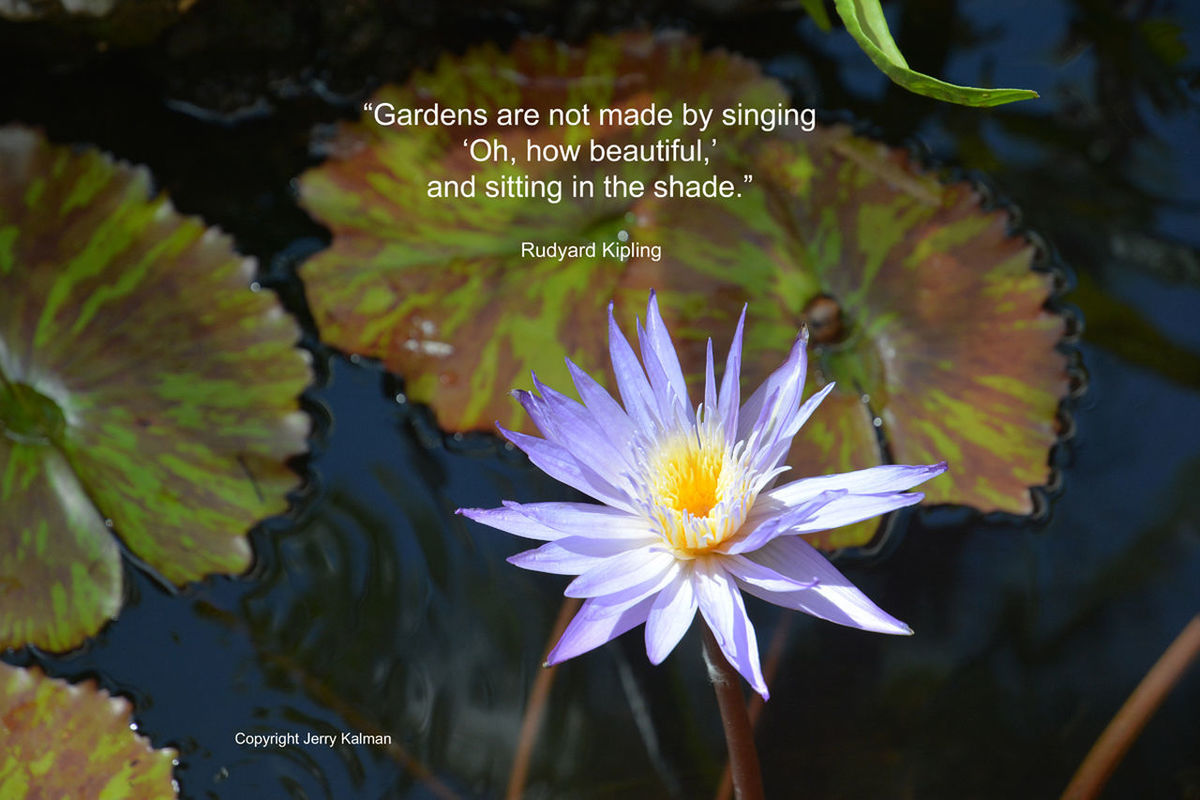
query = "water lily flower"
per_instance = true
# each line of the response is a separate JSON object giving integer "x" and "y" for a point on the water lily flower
{"x": 691, "y": 517}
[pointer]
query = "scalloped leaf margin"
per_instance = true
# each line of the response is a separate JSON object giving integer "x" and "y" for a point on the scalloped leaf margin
{"x": 74, "y": 740}
{"x": 145, "y": 390}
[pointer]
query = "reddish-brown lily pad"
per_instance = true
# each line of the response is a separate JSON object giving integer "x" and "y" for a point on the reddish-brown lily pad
{"x": 61, "y": 740}
{"x": 145, "y": 390}
{"x": 927, "y": 303}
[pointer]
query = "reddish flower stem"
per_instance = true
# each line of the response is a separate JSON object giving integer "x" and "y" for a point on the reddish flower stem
{"x": 739, "y": 735}
{"x": 535, "y": 706}
{"x": 755, "y": 707}
{"x": 1124, "y": 728}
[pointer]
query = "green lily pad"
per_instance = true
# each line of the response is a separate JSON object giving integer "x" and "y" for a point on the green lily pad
{"x": 942, "y": 325}
{"x": 63, "y": 740}
{"x": 143, "y": 387}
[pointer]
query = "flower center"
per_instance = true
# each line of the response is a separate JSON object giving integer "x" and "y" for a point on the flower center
{"x": 688, "y": 478}
{"x": 695, "y": 485}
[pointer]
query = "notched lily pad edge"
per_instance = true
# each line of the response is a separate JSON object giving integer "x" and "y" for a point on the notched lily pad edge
{"x": 1045, "y": 260}
{"x": 28, "y": 659}
{"x": 316, "y": 420}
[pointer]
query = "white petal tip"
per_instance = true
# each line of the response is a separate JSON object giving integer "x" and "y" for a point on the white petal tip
{"x": 894, "y": 628}
{"x": 552, "y": 659}
{"x": 532, "y": 564}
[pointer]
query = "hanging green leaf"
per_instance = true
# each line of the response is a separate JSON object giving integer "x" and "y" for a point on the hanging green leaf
{"x": 816, "y": 10}
{"x": 143, "y": 387}
{"x": 933, "y": 312}
{"x": 865, "y": 21}
{"x": 61, "y": 740}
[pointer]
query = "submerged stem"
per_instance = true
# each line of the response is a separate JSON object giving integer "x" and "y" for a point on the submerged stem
{"x": 1124, "y": 728}
{"x": 535, "y": 706}
{"x": 739, "y": 735}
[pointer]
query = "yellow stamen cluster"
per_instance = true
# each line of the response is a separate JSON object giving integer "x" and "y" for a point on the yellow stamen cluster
{"x": 691, "y": 473}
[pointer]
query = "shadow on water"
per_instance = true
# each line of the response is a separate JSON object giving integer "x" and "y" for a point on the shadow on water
{"x": 374, "y": 609}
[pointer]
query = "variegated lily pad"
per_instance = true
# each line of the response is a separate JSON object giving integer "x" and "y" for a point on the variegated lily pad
{"x": 924, "y": 307}
{"x": 62, "y": 740}
{"x": 145, "y": 391}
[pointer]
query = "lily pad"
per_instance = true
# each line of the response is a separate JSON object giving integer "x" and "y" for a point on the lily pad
{"x": 145, "y": 390}
{"x": 927, "y": 303}
{"x": 63, "y": 740}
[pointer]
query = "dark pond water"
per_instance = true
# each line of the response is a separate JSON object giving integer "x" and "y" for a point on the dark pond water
{"x": 373, "y": 608}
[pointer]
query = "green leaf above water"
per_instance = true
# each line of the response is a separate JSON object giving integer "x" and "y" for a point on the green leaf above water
{"x": 864, "y": 21}
{"x": 816, "y": 10}
{"x": 143, "y": 387}
{"x": 943, "y": 327}
{"x": 63, "y": 740}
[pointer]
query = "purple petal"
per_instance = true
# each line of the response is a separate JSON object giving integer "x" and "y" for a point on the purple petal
{"x": 511, "y": 520}
{"x": 573, "y": 555}
{"x": 660, "y": 342}
{"x": 754, "y": 411}
{"x": 722, "y": 607}
{"x": 752, "y": 573}
{"x": 668, "y": 403}
{"x": 539, "y": 411}
{"x": 590, "y": 629}
{"x": 608, "y": 412}
{"x": 876, "y": 480}
{"x": 852, "y": 508}
{"x": 771, "y": 451}
{"x": 559, "y": 464}
{"x": 616, "y": 601}
{"x": 621, "y": 572}
{"x": 833, "y": 598}
{"x": 807, "y": 409}
{"x": 775, "y": 454}
{"x": 587, "y": 519}
{"x": 631, "y": 379}
{"x": 777, "y": 523}
{"x": 773, "y": 404}
{"x": 710, "y": 384}
{"x": 730, "y": 397}
{"x": 670, "y": 617}
{"x": 574, "y": 428}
